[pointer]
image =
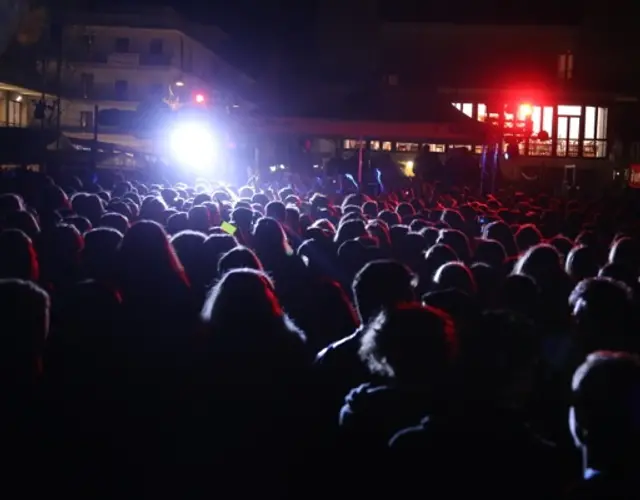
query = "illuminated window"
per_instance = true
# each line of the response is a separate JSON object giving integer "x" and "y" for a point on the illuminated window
{"x": 478, "y": 150}
{"x": 14, "y": 114}
{"x": 459, "y": 146}
{"x": 386, "y": 146}
{"x": 595, "y": 132}
{"x": 601, "y": 127}
{"x": 374, "y": 145}
{"x": 467, "y": 109}
{"x": 457, "y": 105}
{"x": 407, "y": 147}
{"x": 564, "y": 110}
{"x": 354, "y": 144}
{"x": 568, "y": 136}
{"x": 434, "y": 148}
{"x": 482, "y": 112}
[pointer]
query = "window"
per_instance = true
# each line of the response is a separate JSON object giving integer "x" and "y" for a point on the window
{"x": 594, "y": 144}
{"x": 564, "y": 110}
{"x": 122, "y": 45}
{"x": 482, "y": 112}
{"x": 457, "y": 105}
{"x": 15, "y": 109}
{"x": 121, "y": 88}
{"x": 377, "y": 146}
{"x": 155, "y": 46}
{"x": 542, "y": 121}
{"x": 354, "y": 144}
{"x": 565, "y": 66}
{"x": 407, "y": 147}
{"x": 86, "y": 119}
{"x": 86, "y": 82}
{"x": 467, "y": 109}
{"x": 434, "y": 148}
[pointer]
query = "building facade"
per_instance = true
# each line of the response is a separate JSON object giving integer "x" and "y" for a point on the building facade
{"x": 119, "y": 60}
{"x": 570, "y": 79}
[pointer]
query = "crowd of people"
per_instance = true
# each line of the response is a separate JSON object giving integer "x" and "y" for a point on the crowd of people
{"x": 162, "y": 340}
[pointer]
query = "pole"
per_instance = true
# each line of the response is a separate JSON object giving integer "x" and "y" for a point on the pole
{"x": 58, "y": 32}
{"x": 360, "y": 162}
{"x": 94, "y": 148}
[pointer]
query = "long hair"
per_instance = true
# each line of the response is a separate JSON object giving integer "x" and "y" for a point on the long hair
{"x": 147, "y": 261}
{"x": 242, "y": 313}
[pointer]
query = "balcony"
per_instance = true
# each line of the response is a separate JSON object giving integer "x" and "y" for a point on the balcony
{"x": 119, "y": 59}
{"x": 155, "y": 60}
{"x": 124, "y": 59}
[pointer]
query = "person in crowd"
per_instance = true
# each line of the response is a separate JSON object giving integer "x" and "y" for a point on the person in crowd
{"x": 176, "y": 363}
{"x": 605, "y": 425}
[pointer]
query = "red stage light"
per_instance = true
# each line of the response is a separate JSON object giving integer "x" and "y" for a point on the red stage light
{"x": 525, "y": 111}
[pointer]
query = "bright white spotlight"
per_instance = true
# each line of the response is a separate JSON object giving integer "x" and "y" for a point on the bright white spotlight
{"x": 282, "y": 167}
{"x": 273, "y": 168}
{"x": 193, "y": 145}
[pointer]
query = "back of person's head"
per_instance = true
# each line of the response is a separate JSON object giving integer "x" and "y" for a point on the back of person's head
{"x": 269, "y": 238}
{"x": 619, "y": 272}
{"x": 24, "y": 221}
{"x": 18, "y": 258}
{"x": 114, "y": 220}
{"x": 501, "y": 232}
{"x": 99, "y": 253}
{"x": 225, "y": 311}
{"x": 350, "y": 230}
{"x": 146, "y": 257}
{"x": 604, "y": 417}
{"x": 581, "y": 263}
{"x": 276, "y": 210}
{"x": 458, "y": 241}
{"x": 527, "y": 236}
{"x": 239, "y": 258}
{"x": 541, "y": 262}
{"x": 381, "y": 284}
{"x": 411, "y": 343}
{"x": 604, "y": 314}
{"x": 455, "y": 275}
{"x": 625, "y": 251}
{"x": 490, "y": 252}
{"x": 25, "y": 315}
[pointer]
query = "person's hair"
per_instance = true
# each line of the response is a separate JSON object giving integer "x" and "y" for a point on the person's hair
{"x": 581, "y": 263}
{"x": 540, "y": 262}
{"x": 409, "y": 342}
{"x": 239, "y": 258}
{"x": 490, "y": 252}
{"x": 18, "y": 258}
{"x": 114, "y": 220}
{"x": 25, "y": 316}
{"x": 527, "y": 236}
{"x": 146, "y": 257}
{"x": 269, "y": 238}
{"x": 604, "y": 310}
{"x": 605, "y": 411}
{"x": 380, "y": 284}
{"x": 455, "y": 275}
{"x": 225, "y": 311}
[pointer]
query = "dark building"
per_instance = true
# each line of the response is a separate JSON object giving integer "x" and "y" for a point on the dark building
{"x": 576, "y": 83}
